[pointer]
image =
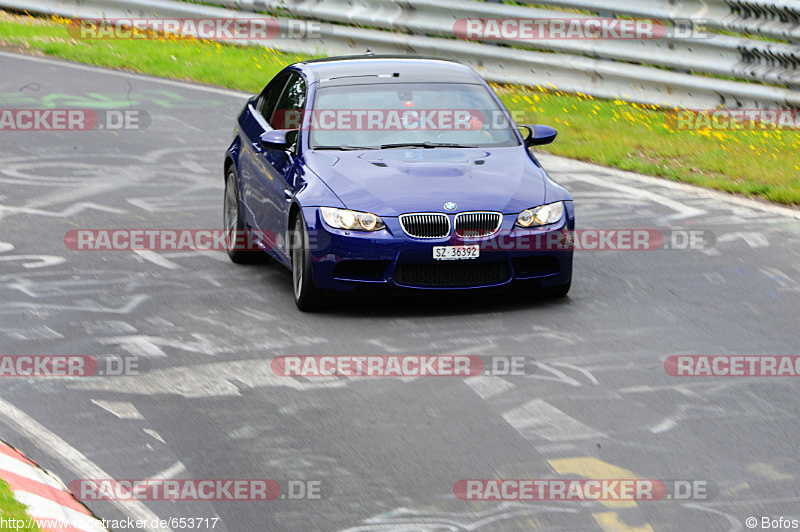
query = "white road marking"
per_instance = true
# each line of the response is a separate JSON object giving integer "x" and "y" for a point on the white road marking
{"x": 586, "y": 372}
{"x": 34, "y": 332}
{"x": 151, "y": 346}
{"x": 786, "y": 283}
{"x": 681, "y": 388}
{"x": 487, "y": 387}
{"x": 120, "y": 409}
{"x": 217, "y": 255}
{"x": 83, "y": 306}
{"x": 683, "y": 210}
{"x": 538, "y": 419}
{"x": 108, "y": 327}
{"x": 154, "y": 434}
{"x": 171, "y": 472}
{"x": 560, "y": 376}
{"x": 403, "y": 518}
{"x": 387, "y": 347}
{"x": 157, "y": 259}
{"x": 68, "y": 212}
{"x": 222, "y": 379}
{"x": 35, "y": 261}
{"x": 664, "y": 426}
{"x": 752, "y": 238}
{"x": 171, "y": 204}
{"x": 160, "y": 322}
{"x": 136, "y": 344}
{"x": 714, "y": 277}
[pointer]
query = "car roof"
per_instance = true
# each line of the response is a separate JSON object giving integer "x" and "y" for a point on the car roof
{"x": 367, "y": 69}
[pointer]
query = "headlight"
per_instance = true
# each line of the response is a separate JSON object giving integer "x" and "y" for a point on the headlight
{"x": 541, "y": 215}
{"x": 351, "y": 220}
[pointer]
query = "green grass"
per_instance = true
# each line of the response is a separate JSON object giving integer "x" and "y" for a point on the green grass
{"x": 234, "y": 67}
{"x": 10, "y": 508}
{"x": 612, "y": 133}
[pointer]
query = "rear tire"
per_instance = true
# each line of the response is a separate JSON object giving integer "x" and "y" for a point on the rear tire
{"x": 307, "y": 296}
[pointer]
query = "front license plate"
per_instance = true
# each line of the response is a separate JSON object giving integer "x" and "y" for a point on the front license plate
{"x": 456, "y": 252}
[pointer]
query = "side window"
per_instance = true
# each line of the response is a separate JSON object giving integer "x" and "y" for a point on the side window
{"x": 288, "y": 112}
{"x": 268, "y": 98}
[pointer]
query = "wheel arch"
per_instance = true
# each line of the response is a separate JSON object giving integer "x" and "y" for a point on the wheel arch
{"x": 293, "y": 210}
{"x": 227, "y": 166}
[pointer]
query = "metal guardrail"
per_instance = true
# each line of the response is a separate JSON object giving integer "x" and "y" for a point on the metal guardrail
{"x": 608, "y": 69}
{"x": 779, "y": 19}
{"x": 714, "y": 54}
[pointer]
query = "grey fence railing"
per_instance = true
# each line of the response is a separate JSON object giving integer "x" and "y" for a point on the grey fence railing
{"x": 693, "y": 65}
{"x": 778, "y": 19}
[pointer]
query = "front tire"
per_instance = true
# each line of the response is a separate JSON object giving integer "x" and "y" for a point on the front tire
{"x": 557, "y": 292}
{"x": 307, "y": 296}
{"x": 234, "y": 226}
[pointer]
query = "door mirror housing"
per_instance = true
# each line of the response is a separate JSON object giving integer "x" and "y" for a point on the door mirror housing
{"x": 277, "y": 139}
{"x": 538, "y": 135}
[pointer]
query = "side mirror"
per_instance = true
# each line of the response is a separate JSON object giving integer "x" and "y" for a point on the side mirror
{"x": 538, "y": 135}
{"x": 277, "y": 139}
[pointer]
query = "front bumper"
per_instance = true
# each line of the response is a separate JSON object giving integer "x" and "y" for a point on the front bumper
{"x": 349, "y": 260}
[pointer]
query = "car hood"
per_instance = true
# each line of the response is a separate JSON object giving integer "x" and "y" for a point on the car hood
{"x": 397, "y": 181}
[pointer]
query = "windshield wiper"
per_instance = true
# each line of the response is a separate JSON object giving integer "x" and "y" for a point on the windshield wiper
{"x": 426, "y": 144}
{"x": 344, "y": 147}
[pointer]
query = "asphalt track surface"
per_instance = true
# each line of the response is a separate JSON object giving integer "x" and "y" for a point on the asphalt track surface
{"x": 386, "y": 452}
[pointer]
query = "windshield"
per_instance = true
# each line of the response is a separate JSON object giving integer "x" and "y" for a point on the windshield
{"x": 411, "y": 114}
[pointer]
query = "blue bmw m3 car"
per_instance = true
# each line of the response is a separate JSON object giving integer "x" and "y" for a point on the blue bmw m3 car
{"x": 394, "y": 172}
